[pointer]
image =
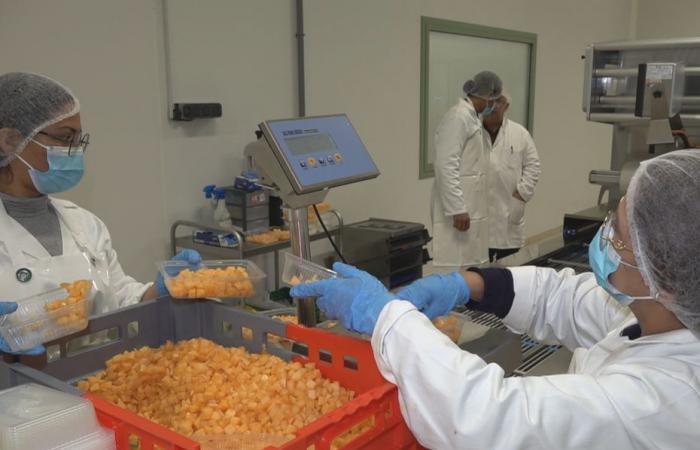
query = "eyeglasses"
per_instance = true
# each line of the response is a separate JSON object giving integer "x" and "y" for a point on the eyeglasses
{"x": 77, "y": 143}
{"x": 607, "y": 236}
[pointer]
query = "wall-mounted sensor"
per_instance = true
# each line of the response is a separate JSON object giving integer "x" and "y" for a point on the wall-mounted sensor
{"x": 191, "y": 111}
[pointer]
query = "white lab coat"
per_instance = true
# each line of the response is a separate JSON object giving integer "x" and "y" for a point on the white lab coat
{"x": 515, "y": 165}
{"x": 461, "y": 170}
{"x": 618, "y": 394}
{"x": 87, "y": 253}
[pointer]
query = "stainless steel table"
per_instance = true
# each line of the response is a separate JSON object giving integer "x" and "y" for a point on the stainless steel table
{"x": 247, "y": 249}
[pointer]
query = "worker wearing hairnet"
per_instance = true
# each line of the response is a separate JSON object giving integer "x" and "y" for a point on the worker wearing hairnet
{"x": 633, "y": 325}
{"x": 513, "y": 174}
{"x": 459, "y": 201}
{"x": 45, "y": 241}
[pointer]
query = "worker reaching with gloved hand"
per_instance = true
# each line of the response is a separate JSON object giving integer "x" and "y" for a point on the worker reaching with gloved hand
{"x": 45, "y": 241}
{"x": 633, "y": 325}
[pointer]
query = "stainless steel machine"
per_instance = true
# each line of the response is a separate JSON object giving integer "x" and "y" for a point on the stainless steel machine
{"x": 649, "y": 91}
{"x": 301, "y": 158}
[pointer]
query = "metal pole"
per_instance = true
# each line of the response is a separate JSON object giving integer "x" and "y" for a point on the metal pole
{"x": 301, "y": 77}
{"x": 301, "y": 246}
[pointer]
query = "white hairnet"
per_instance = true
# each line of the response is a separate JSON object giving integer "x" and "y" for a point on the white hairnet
{"x": 29, "y": 103}
{"x": 484, "y": 84}
{"x": 663, "y": 210}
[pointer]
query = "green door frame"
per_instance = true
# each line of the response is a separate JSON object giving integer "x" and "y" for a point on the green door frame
{"x": 430, "y": 24}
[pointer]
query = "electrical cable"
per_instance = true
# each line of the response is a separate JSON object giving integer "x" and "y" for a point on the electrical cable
{"x": 328, "y": 235}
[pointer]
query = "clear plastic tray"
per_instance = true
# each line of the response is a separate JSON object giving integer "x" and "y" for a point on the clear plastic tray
{"x": 212, "y": 279}
{"x": 298, "y": 271}
{"x": 99, "y": 440}
{"x": 33, "y": 323}
{"x": 37, "y": 417}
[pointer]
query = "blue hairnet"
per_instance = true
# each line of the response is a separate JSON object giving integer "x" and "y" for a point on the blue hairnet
{"x": 29, "y": 103}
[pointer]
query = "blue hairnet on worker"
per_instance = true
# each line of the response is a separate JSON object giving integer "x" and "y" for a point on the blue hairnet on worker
{"x": 633, "y": 324}
{"x": 45, "y": 241}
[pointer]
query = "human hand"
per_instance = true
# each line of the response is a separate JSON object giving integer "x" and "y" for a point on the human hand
{"x": 355, "y": 300}
{"x": 461, "y": 221}
{"x": 437, "y": 294}
{"x": 8, "y": 308}
{"x": 190, "y": 256}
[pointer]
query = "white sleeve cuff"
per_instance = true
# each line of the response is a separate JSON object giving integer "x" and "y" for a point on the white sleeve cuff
{"x": 388, "y": 317}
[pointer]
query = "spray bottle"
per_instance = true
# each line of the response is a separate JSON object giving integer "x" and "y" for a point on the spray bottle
{"x": 217, "y": 203}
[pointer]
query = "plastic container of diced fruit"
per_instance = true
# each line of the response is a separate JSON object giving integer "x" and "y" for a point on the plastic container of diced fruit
{"x": 47, "y": 316}
{"x": 37, "y": 417}
{"x": 299, "y": 271}
{"x": 239, "y": 279}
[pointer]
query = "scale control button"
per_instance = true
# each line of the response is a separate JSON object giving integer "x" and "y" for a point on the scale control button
{"x": 322, "y": 161}
{"x": 302, "y": 163}
{"x": 312, "y": 162}
{"x": 338, "y": 157}
{"x": 330, "y": 159}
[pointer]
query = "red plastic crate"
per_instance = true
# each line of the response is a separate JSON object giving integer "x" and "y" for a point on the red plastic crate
{"x": 377, "y": 400}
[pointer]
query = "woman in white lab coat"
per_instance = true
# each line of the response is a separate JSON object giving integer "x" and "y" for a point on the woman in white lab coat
{"x": 45, "y": 241}
{"x": 633, "y": 325}
{"x": 513, "y": 174}
{"x": 459, "y": 200}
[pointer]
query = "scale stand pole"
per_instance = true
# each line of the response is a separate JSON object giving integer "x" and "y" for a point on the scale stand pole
{"x": 299, "y": 231}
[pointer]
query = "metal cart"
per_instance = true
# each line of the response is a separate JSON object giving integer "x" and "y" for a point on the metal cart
{"x": 245, "y": 249}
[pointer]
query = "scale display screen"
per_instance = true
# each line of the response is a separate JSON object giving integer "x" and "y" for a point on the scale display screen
{"x": 319, "y": 152}
{"x": 302, "y": 145}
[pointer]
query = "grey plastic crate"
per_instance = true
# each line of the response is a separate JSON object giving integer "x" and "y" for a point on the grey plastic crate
{"x": 253, "y": 225}
{"x": 241, "y": 198}
{"x": 12, "y": 375}
{"x": 152, "y": 324}
{"x": 248, "y": 213}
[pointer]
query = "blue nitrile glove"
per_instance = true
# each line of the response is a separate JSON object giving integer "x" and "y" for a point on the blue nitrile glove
{"x": 191, "y": 256}
{"x": 437, "y": 294}
{"x": 8, "y": 308}
{"x": 356, "y": 299}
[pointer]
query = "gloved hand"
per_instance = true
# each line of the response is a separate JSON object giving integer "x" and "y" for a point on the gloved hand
{"x": 191, "y": 256}
{"x": 8, "y": 308}
{"x": 356, "y": 299}
{"x": 437, "y": 294}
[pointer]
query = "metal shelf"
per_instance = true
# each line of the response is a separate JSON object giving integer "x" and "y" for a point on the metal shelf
{"x": 246, "y": 249}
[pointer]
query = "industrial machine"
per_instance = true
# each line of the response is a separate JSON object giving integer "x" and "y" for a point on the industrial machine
{"x": 301, "y": 159}
{"x": 649, "y": 92}
{"x": 391, "y": 250}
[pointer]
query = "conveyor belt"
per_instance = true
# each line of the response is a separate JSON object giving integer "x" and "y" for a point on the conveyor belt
{"x": 534, "y": 353}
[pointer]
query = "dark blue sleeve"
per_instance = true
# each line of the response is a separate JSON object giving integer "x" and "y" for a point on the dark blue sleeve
{"x": 498, "y": 291}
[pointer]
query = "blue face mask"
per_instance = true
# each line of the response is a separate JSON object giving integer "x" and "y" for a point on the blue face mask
{"x": 604, "y": 261}
{"x": 65, "y": 171}
{"x": 488, "y": 110}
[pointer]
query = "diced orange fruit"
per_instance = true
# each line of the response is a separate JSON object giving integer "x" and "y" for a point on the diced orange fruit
{"x": 232, "y": 281}
{"x": 199, "y": 388}
{"x": 77, "y": 313}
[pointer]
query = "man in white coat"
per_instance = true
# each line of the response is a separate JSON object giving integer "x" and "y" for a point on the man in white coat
{"x": 513, "y": 174}
{"x": 460, "y": 195}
